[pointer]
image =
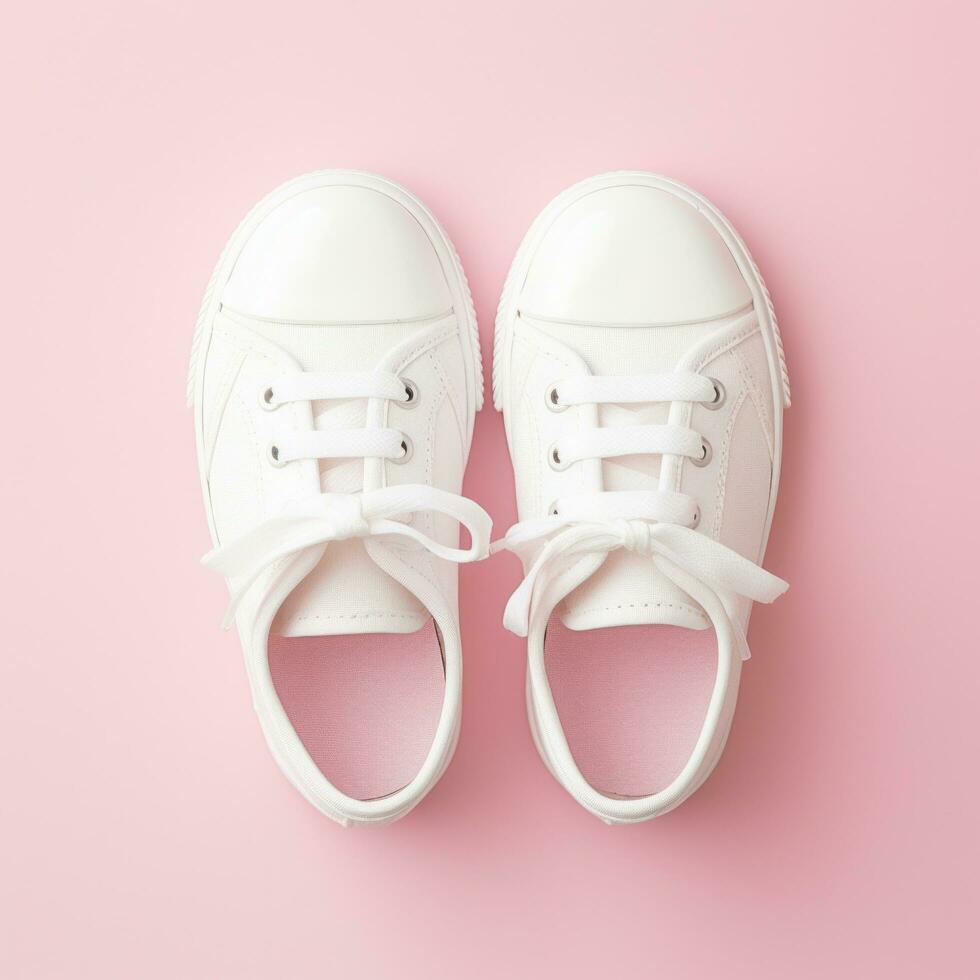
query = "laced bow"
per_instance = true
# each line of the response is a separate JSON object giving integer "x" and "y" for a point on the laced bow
{"x": 678, "y": 552}
{"x": 327, "y": 517}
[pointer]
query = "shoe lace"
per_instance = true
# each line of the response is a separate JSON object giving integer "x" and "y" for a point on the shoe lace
{"x": 659, "y": 524}
{"x": 321, "y": 518}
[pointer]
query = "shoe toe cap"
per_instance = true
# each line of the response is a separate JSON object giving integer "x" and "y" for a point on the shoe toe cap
{"x": 338, "y": 253}
{"x": 628, "y": 254}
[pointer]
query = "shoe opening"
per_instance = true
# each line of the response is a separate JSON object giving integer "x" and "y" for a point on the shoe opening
{"x": 365, "y": 706}
{"x": 632, "y": 700}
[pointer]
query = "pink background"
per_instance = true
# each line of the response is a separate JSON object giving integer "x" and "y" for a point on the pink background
{"x": 144, "y": 829}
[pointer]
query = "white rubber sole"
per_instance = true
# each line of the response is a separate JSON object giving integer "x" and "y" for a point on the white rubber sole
{"x": 449, "y": 260}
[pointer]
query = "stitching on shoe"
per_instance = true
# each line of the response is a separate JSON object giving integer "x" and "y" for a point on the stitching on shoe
{"x": 534, "y": 352}
{"x": 541, "y": 352}
{"x": 309, "y": 617}
{"x": 428, "y": 344}
{"x": 236, "y": 340}
{"x": 706, "y": 358}
{"x": 657, "y": 604}
{"x": 279, "y": 321}
{"x": 426, "y": 567}
{"x": 723, "y": 466}
{"x": 453, "y": 393}
{"x": 757, "y": 397}
{"x": 223, "y": 392}
{"x": 711, "y": 355}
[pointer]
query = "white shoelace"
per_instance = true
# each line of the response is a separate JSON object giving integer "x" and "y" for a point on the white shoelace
{"x": 326, "y": 517}
{"x": 656, "y": 523}
{"x": 339, "y": 443}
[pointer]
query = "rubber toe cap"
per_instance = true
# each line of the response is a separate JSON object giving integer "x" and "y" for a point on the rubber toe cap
{"x": 338, "y": 254}
{"x": 632, "y": 254}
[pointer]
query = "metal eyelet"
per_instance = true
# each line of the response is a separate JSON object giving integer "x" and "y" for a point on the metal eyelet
{"x": 412, "y": 394}
{"x": 274, "y": 455}
{"x": 267, "y": 399}
{"x": 705, "y": 456}
{"x": 551, "y": 399}
{"x": 406, "y": 451}
{"x": 719, "y": 398}
{"x": 554, "y": 458}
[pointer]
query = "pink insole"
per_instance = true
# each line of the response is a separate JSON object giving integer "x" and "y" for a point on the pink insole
{"x": 631, "y": 699}
{"x": 365, "y": 706}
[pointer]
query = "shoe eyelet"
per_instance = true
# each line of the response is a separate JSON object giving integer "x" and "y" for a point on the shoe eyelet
{"x": 553, "y": 509}
{"x": 697, "y": 518}
{"x": 551, "y": 399}
{"x": 267, "y": 399}
{"x": 719, "y": 398}
{"x": 412, "y": 394}
{"x": 406, "y": 452}
{"x": 705, "y": 456}
{"x": 274, "y": 456}
{"x": 555, "y": 460}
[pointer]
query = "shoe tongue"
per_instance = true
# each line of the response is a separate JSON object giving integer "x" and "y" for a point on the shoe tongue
{"x": 346, "y": 592}
{"x": 628, "y": 589}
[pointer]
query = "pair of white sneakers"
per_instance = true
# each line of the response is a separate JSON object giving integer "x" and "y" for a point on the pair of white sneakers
{"x": 335, "y": 377}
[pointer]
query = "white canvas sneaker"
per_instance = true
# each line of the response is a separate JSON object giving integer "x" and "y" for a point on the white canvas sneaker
{"x": 642, "y": 381}
{"x": 334, "y": 379}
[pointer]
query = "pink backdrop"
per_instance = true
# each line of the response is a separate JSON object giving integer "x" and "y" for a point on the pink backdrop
{"x": 144, "y": 829}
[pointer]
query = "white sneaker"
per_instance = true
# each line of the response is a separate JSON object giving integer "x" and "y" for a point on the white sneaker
{"x": 641, "y": 376}
{"x": 334, "y": 379}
